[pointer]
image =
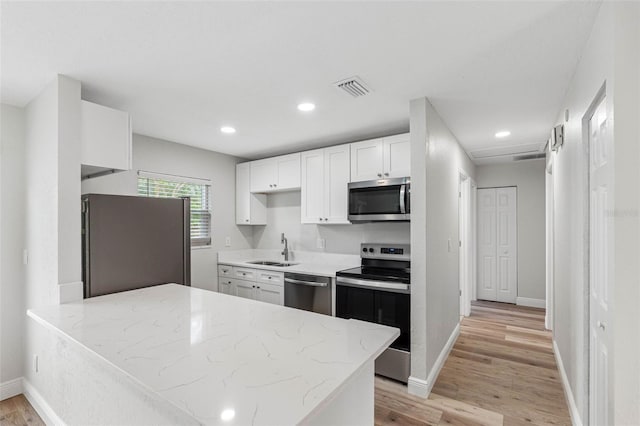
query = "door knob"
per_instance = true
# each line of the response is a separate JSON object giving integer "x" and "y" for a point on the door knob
{"x": 601, "y": 325}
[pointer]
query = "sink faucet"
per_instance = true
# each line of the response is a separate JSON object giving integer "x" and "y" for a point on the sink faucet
{"x": 285, "y": 252}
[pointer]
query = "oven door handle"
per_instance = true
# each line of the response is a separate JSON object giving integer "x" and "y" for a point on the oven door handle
{"x": 382, "y": 285}
{"x": 301, "y": 282}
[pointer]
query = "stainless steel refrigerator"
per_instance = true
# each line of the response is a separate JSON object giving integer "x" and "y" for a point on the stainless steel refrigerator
{"x": 134, "y": 242}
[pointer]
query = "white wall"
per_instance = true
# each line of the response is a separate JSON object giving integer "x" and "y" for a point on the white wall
{"x": 160, "y": 156}
{"x": 436, "y": 161}
{"x": 12, "y": 242}
{"x": 529, "y": 178}
{"x": 283, "y": 215}
{"x": 611, "y": 56}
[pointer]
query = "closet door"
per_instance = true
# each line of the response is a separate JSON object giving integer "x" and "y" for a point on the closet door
{"x": 497, "y": 244}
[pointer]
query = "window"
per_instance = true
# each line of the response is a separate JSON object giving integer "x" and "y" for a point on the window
{"x": 152, "y": 185}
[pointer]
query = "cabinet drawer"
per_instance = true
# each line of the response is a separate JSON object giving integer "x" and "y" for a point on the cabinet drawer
{"x": 225, "y": 271}
{"x": 270, "y": 277}
{"x": 244, "y": 273}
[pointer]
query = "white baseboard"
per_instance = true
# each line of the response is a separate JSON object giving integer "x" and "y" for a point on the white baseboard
{"x": 573, "y": 408}
{"x": 533, "y": 303}
{"x": 44, "y": 410}
{"x": 10, "y": 388}
{"x": 70, "y": 292}
{"x": 420, "y": 387}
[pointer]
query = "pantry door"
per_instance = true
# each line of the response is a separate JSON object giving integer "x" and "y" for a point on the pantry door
{"x": 497, "y": 244}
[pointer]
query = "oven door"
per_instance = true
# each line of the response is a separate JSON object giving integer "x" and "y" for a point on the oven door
{"x": 379, "y": 200}
{"x": 377, "y": 304}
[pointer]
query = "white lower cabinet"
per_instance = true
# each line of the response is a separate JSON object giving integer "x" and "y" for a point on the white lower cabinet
{"x": 256, "y": 284}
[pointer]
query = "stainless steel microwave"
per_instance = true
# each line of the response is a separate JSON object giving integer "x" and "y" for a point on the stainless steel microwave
{"x": 380, "y": 200}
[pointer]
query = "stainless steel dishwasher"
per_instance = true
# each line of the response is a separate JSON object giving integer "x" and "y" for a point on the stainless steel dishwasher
{"x": 307, "y": 292}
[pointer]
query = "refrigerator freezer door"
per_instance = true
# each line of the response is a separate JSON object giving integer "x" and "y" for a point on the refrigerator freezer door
{"x": 134, "y": 242}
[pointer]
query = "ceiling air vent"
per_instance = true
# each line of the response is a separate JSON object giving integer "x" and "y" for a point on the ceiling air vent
{"x": 529, "y": 157}
{"x": 353, "y": 86}
{"x": 505, "y": 151}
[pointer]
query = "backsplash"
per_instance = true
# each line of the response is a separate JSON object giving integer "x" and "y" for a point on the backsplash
{"x": 283, "y": 215}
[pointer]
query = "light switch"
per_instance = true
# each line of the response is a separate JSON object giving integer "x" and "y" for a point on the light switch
{"x": 227, "y": 241}
{"x": 320, "y": 243}
{"x": 449, "y": 245}
{"x": 25, "y": 257}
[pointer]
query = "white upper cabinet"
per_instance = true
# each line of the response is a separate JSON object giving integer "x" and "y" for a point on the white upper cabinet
{"x": 105, "y": 139}
{"x": 325, "y": 178}
{"x": 381, "y": 158}
{"x": 366, "y": 160}
{"x": 251, "y": 209}
{"x": 276, "y": 174}
{"x": 396, "y": 154}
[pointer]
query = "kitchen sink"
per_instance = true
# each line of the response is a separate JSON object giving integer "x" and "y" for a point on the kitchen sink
{"x": 272, "y": 263}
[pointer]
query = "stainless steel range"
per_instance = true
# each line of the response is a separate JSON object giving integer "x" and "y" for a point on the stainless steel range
{"x": 380, "y": 291}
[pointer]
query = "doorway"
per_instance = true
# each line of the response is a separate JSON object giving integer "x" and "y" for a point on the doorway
{"x": 466, "y": 243}
{"x": 497, "y": 244}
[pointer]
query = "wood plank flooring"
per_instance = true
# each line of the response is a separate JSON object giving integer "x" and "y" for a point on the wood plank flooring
{"x": 17, "y": 411}
{"x": 501, "y": 371}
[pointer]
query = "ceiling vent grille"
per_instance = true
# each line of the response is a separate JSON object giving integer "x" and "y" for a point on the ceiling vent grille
{"x": 353, "y": 86}
{"x": 529, "y": 157}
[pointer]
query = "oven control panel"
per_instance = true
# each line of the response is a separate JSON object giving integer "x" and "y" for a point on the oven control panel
{"x": 385, "y": 251}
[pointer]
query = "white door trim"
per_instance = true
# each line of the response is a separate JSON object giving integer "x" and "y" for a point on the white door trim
{"x": 466, "y": 244}
{"x": 549, "y": 207}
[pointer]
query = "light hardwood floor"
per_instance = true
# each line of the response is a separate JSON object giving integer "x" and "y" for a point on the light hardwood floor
{"x": 501, "y": 371}
{"x": 18, "y": 411}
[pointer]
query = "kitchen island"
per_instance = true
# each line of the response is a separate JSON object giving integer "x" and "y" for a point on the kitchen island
{"x": 172, "y": 354}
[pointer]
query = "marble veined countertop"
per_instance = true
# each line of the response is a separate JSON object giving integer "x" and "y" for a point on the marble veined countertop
{"x": 221, "y": 359}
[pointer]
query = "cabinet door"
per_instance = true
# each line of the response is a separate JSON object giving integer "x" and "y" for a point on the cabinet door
{"x": 105, "y": 137}
{"x": 243, "y": 211}
{"x": 225, "y": 286}
{"x": 366, "y": 160}
{"x": 312, "y": 189}
{"x": 264, "y": 175}
{"x": 397, "y": 156}
{"x": 246, "y": 289}
{"x": 336, "y": 181}
{"x": 270, "y": 293}
{"x": 251, "y": 209}
{"x": 288, "y": 171}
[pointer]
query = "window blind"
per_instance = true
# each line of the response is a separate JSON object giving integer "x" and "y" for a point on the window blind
{"x": 200, "y": 202}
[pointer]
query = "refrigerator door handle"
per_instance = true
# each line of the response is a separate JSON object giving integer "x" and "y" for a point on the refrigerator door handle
{"x": 186, "y": 203}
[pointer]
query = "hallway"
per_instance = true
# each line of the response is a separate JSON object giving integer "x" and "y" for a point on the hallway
{"x": 501, "y": 371}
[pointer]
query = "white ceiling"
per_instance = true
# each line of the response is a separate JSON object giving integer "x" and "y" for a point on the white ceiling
{"x": 184, "y": 69}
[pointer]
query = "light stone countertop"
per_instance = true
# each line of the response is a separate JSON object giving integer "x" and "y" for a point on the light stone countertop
{"x": 311, "y": 263}
{"x": 208, "y": 353}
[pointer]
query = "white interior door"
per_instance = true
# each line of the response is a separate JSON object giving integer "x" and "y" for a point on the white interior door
{"x": 487, "y": 247}
{"x": 497, "y": 244}
{"x": 507, "y": 269}
{"x": 599, "y": 256}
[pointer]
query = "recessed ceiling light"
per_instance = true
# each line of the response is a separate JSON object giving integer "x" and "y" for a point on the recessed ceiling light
{"x": 306, "y": 106}
{"x": 227, "y": 129}
{"x": 227, "y": 415}
{"x": 503, "y": 134}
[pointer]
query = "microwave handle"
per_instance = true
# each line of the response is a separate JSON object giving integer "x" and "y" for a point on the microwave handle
{"x": 403, "y": 189}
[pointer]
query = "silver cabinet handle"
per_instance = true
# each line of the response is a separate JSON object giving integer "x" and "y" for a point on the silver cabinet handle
{"x": 601, "y": 325}
{"x": 379, "y": 174}
{"x": 326, "y": 219}
{"x": 386, "y": 174}
{"x": 246, "y": 220}
{"x": 320, "y": 219}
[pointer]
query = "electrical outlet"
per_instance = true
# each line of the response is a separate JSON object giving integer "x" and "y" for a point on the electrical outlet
{"x": 320, "y": 243}
{"x": 227, "y": 241}
{"x": 35, "y": 363}
{"x": 25, "y": 257}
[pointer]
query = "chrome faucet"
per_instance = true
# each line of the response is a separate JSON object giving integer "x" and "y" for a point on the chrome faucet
{"x": 285, "y": 252}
